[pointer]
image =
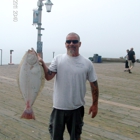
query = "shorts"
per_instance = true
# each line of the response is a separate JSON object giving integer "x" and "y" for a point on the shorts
{"x": 131, "y": 65}
{"x": 72, "y": 119}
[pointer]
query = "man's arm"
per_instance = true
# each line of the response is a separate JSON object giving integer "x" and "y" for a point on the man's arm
{"x": 95, "y": 95}
{"x": 48, "y": 74}
{"x": 134, "y": 55}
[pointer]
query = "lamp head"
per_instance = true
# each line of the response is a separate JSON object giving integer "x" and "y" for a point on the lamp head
{"x": 48, "y": 5}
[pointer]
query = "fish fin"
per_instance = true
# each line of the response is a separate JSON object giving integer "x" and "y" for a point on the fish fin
{"x": 28, "y": 114}
{"x": 19, "y": 67}
{"x": 43, "y": 80}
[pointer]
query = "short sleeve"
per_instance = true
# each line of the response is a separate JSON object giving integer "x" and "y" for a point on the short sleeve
{"x": 91, "y": 76}
{"x": 53, "y": 65}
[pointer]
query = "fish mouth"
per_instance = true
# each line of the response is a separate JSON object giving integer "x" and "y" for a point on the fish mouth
{"x": 31, "y": 50}
{"x": 32, "y": 57}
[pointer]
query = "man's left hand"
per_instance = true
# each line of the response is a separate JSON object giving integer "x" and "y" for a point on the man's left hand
{"x": 93, "y": 110}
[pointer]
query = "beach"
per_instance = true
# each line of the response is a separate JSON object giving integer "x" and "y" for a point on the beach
{"x": 118, "y": 116}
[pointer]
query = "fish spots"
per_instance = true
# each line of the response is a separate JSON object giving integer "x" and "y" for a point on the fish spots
{"x": 31, "y": 67}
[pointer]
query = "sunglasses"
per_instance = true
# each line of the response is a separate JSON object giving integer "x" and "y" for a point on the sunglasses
{"x": 73, "y": 41}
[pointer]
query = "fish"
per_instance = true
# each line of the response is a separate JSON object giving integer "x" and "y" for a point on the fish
{"x": 31, "y": 80}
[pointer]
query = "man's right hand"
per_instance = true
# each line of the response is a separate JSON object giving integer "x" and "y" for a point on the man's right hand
{"x": 40, "y": 59}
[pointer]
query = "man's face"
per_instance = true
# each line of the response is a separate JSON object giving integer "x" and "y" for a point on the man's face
{"x": 72, "y": 44}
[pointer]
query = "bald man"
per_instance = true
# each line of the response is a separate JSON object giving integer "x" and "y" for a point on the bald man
{"x": 71, "y": 71}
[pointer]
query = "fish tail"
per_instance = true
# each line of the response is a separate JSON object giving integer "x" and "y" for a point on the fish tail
{"x": 28, "y": 114}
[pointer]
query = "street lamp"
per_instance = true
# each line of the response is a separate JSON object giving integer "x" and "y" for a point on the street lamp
{"x": 37, "y": 13}
{"x": 1, "y": 57}
{"x": 11, "y": 57}
{"x": 48, "y": 5}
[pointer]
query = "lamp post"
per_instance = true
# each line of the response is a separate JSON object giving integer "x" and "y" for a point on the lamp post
{"x": 1, "y": 57}
{"x": 11, "y": 57}
{"x": 37, "y": 14}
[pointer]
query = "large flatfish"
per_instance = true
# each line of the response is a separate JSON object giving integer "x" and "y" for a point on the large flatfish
{"x": 31, "y": 79}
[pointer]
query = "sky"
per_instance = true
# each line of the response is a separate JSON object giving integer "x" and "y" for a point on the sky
{"x": 106, "y": 27}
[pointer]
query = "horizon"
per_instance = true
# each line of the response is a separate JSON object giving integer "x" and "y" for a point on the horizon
{"x": 106, "y": 27}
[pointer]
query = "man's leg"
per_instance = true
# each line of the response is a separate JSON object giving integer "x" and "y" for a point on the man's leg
{"x": 57, "y": 124}
{"x": 74, "y": 123}
{"x": 130, "y": 66}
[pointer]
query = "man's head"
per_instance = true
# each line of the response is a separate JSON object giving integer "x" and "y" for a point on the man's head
{"x": 72, "y": 44}
{"x": 127, "y": 50}
{"x": 131, "y": 49}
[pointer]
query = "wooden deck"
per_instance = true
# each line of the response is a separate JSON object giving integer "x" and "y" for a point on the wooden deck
{"x": 119, "y": 106}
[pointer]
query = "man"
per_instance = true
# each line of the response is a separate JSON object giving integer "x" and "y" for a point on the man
{"x": 71, "y": 71}
{"x": 131, "y": 59}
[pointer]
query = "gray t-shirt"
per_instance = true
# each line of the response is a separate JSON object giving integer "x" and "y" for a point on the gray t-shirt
{"x": 70, "y": 80}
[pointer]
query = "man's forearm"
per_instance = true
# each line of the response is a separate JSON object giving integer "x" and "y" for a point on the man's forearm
{"x": 134, "y": 56}
{"x": 95, "y": 92}
{"x": 48, "y": 74}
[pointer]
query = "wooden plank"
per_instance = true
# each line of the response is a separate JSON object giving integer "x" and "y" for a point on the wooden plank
{"x": 117, "y": 119}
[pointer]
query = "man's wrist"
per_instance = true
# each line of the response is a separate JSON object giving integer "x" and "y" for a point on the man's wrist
{"x": 95, "y": 104}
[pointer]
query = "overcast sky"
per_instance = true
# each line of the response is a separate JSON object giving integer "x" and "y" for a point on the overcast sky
{"x": 106, "y": 27}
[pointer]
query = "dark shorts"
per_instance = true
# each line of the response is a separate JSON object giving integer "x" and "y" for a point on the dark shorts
{"x": 72, "y": 119}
